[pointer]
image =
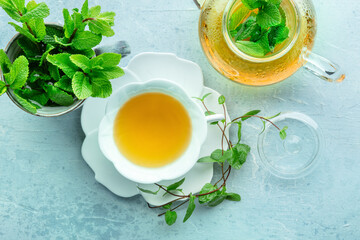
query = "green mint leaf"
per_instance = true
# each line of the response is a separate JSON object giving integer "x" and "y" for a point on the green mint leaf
{"x": 40, "y": 11}
{"x": 207, "y": 160}
{"x": 58, "y": 96}
{"x": 227, "y": 155}
{"x": 24, "y": 32}
{"x": 62, "y": 41}
{"x": 3, "y": 88}
{"x": 233, "y": 197}
{"x": 167, "y": 206}
{"x": 30, "y": 48}
{"x": 38, "y": 26}
{"x": 52, "y": 31}
{"x": 49, "y": 48}
{"x": 264, "y": 42}
{"x": 282, "y": 133}
{"x": 78, "y": 21}
{"x": 278, "y": 34}
{"x": 65, "y": 83}
{"x": 283, "y": 16}
{"x": 99, "y": 26}
{"x": 19, "y": 4}
{"x": 109, "y": 73}
{"x": 170, "y": 217}
{"x": 34, "y": 95}
{"x": 218, "y": 199}
{"x": 252, "y": 4}
{"x": 250, "y": 48}
{"x": 85, "y": 9}
{"x": 268, "y": 16}
{"x": 69, "y": 25}
{"x": 31, "y": 5}
{"x": 148, "y": 191}
{"x": 247, "y": 30}
{"x": 82, "y": 62}
{"x": 209, "y": 113}
{"x": 175, "y": 185}
{"x": 19, "y": 73}
{"x": 221, "y": 100}
{"x": 95, "y": 11}
{"x": 191, "y": 207}
{"x": 208, "y": 187}
{"x": 239, "y": 155}
{"x": 10, "y": 8}
{"x": 81, "y": 86}
{"x": 108, "y": 17}
{"x": 85, "y": 40}
{"x": 29, "y": 106}
{"x": 272, "y": 117}
{"x": 5, "y": 63}
{"x": 101, "y": 87}
{"x": 54, "y": 71}
{"x": 63, "y": 62}
{"x": 239, "y": 123}
{"x": 237, "y": 17}
{"x": 106, "y": 60}
{"x": 275, "y": 2}
{"x": 217, "y": 155}
{"x": 250, "y": 114}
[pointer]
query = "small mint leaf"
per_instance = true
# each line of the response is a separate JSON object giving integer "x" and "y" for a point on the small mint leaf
{"x": 250, "y": 114}
{"x": 5, "y": 63}
{"x": 233, "y": 197}
{"x": 208, "y": 187}
{"x": 99, "y": 26}
{"x": 207, "y": 160}
{"x": 85, "y": 40}
{"x": 148, "y": 191}
{"x": 24, "y": 32}
{"x": 170, "y": 217}
{"x": 268, "y": 16}
{"x": 94, "y": 11}
{"x": 29, "y": 106}
{"x": 282, "y": 133}
{"x": 69, "y": 25}
{"x": 191, "y": 207}
{"x": 85, "y": 9}
{"x": 101, "y": 87}
{"x": 250, "y": 48}
{"x": 65, "y": 83}
{"x": 106, "y": 60}
{"x": 237, "y": 17}
{"x": 19, "y": 73}
{"x": 108, "y": 17}
{"x": 49, "y": 48}
{"x": 40, "y": 11}
{"x": 109, "y": 73}
{"x": 58, "y": 96}
{"x": 81, "y": 86}
{"x": 221, "y": 100}
{"x": 3, "y": 88}
{"x": 82, "y": 62}
{"x": 175, "y": 185}
{"x": 63, "y": 62}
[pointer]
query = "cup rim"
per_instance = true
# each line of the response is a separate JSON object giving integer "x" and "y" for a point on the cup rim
{"x": 148, "y": 175}
{"x": 69, "y": 109}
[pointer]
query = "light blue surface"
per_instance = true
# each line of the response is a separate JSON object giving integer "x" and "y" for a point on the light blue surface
{"x": 48, "y": 192}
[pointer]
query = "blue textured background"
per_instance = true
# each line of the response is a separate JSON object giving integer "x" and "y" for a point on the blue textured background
{"x": 47, "y": 191}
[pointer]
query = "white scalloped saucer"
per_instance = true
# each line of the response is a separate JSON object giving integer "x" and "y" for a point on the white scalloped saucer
{"x": 144, "y": 67}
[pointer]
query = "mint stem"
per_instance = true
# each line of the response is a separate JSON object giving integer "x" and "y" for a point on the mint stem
{"x": 88, "y": 19}
{"x": 72, "y": 35}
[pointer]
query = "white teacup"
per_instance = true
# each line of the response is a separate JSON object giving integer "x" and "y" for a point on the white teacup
{"x": 173, "y": 170}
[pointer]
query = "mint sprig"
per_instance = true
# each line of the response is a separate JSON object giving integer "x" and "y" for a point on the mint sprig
{"x": 258, "y": 33}
{"x": 229, "y": 157}
{"x": 57, "y": 66}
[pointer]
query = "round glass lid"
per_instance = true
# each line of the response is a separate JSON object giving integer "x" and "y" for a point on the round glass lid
{"x": 297, "y": 154}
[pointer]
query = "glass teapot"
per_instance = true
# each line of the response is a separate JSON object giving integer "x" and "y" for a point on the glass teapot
{"x": 295, "y": 52}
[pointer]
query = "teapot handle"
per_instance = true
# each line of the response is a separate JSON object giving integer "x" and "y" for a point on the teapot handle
{"x": 322, "y": 67}
{"x": 199, "y": 3}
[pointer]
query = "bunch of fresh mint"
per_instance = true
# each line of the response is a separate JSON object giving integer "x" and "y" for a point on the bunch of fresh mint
{"x": 57, "y": 65}
{"x": 257, "y": 26}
